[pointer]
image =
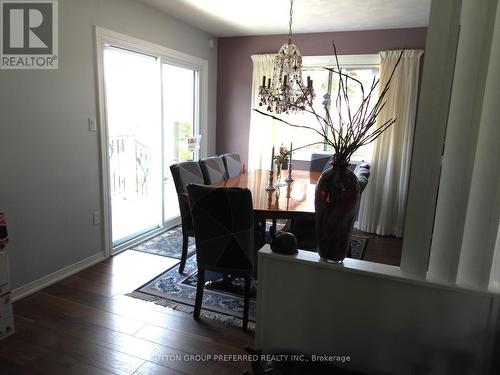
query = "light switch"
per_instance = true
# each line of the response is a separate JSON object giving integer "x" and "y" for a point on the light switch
{"x": 92, "y": 125}
{"x": 96, "y": 217}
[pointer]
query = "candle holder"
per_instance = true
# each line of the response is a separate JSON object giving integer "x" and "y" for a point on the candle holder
{"x": 289, "y": 178}
{"x": 270, "y": 184}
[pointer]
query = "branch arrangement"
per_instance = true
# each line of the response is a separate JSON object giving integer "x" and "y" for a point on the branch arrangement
{"x": 353, "y": 127}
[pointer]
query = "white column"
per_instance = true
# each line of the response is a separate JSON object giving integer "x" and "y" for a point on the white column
{"x": 471, "y": 66}
{"x": 430, "y": 128}
{"x": 483, "y": 209}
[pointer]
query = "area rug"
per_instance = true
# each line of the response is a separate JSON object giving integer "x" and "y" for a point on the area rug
{"x": 167, "y": 244}
{"x": 178, "y": 291}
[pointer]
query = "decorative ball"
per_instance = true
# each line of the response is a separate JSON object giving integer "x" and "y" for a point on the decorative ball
{"x": 284, "y": 243}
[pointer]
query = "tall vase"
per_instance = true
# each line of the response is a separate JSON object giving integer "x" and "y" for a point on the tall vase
{"x": 336, "y": 202}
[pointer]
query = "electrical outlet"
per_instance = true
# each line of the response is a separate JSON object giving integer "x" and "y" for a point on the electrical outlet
{"x": 92, "y": 125}
{"x": 96, "y": 217}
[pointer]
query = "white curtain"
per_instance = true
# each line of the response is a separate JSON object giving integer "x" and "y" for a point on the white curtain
{"x": 383, "y": 204}
{"x": 262, "y": 129}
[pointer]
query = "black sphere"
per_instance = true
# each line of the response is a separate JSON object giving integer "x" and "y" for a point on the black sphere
{"x": 284, "y": 243}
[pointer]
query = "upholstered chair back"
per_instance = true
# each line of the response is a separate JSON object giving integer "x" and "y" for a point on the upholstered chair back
{"x": 213, "y": 169}
{"x": 183, "y": 174}
{"x": 224, "y": 228}
{"x": 232, "y": 162}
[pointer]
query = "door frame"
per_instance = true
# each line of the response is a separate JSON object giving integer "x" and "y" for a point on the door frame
{"x": 105, "y": 37}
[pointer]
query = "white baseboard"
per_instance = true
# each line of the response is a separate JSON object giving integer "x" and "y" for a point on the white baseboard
{"x": 45, "y": 281}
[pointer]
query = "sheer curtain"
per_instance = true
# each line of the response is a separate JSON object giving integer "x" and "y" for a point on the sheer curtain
{"x": 262, "y": 129}
{"x": 383, "y": 204}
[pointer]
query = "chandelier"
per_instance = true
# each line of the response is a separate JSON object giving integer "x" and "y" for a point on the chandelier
{"x": 286, "y": 91}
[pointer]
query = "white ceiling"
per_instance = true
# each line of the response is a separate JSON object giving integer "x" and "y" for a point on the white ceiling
{"x": 260, "y": 17}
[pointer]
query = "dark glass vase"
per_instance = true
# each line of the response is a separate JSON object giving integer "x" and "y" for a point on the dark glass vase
{"x": 336, "y": 202}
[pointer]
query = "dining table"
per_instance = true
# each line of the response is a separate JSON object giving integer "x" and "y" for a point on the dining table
{"x": 290, "y": 200}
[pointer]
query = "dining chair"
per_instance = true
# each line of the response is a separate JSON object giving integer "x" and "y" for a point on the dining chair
{"x": 232, "y": 163}
{"x": 184, "y": 174}
{"x": 319, "y": 162}
{"x": 213, "y": 169}
{"x": 225, "y": 237}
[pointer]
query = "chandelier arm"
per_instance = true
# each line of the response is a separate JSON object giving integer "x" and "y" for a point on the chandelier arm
{"x": 319, "y": 118}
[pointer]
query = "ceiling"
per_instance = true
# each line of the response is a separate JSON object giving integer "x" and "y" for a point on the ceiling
{"x": 224, "y": 18}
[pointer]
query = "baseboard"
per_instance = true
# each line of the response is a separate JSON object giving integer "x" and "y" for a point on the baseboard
{"x": 45, "y": 281}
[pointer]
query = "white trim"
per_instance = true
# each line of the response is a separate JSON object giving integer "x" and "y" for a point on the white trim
{"x": 45, "y": 281}
{"x": 352, "y": 61}
{"x": 371, "y": 269}
{"x": 164, "y": 54}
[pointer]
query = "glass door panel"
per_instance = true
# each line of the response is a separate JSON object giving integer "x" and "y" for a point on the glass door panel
{"x": 133, "y": 109}
{"x": 179, "y": 124}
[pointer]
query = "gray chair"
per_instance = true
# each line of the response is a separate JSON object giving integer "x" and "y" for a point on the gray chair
{"x": 183, "y": 174}
{"x": 225, "y": 238}
{"x": 233, "y": 165}
{"x": 319, "y": 162}
{"x": 213, "y": 170}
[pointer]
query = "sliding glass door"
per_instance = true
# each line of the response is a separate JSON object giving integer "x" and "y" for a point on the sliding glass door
{"x": 133, "y": 107}
{"x": 180, "y": 87}
{"x": 152, "y": 114}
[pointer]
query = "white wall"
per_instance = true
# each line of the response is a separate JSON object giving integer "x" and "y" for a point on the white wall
{"x": 49, "y": 162}
{"x": 383, "y": 320}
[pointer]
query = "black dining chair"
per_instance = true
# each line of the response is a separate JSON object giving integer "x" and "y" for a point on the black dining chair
{"x": 232, "y": 163}
{"x": 213, "y": 169}
{"x": 226, "y": 241}
{"x": 184, "y": 174}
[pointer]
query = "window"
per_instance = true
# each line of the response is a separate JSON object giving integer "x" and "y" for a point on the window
{"x": 363, "y": 67}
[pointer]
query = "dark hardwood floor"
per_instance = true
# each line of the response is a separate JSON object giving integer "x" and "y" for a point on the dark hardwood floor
{"x": 85, "y": 324}
{"x": 382, "y": 249}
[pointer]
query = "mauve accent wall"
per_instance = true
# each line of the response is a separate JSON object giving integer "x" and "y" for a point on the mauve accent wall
{"x": 234, "y": 70}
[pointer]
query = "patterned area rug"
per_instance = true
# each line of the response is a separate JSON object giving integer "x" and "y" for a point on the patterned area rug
{"x": 224, "y": 304}
{"x": 178, "y": 291}
{"x": 167, "y": 244}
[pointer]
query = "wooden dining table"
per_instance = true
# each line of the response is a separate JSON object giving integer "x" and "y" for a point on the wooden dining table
{"x": 294, "y": 200}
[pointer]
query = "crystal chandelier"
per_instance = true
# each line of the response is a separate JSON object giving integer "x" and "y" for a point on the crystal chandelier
{"x": 286, "y": 91}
